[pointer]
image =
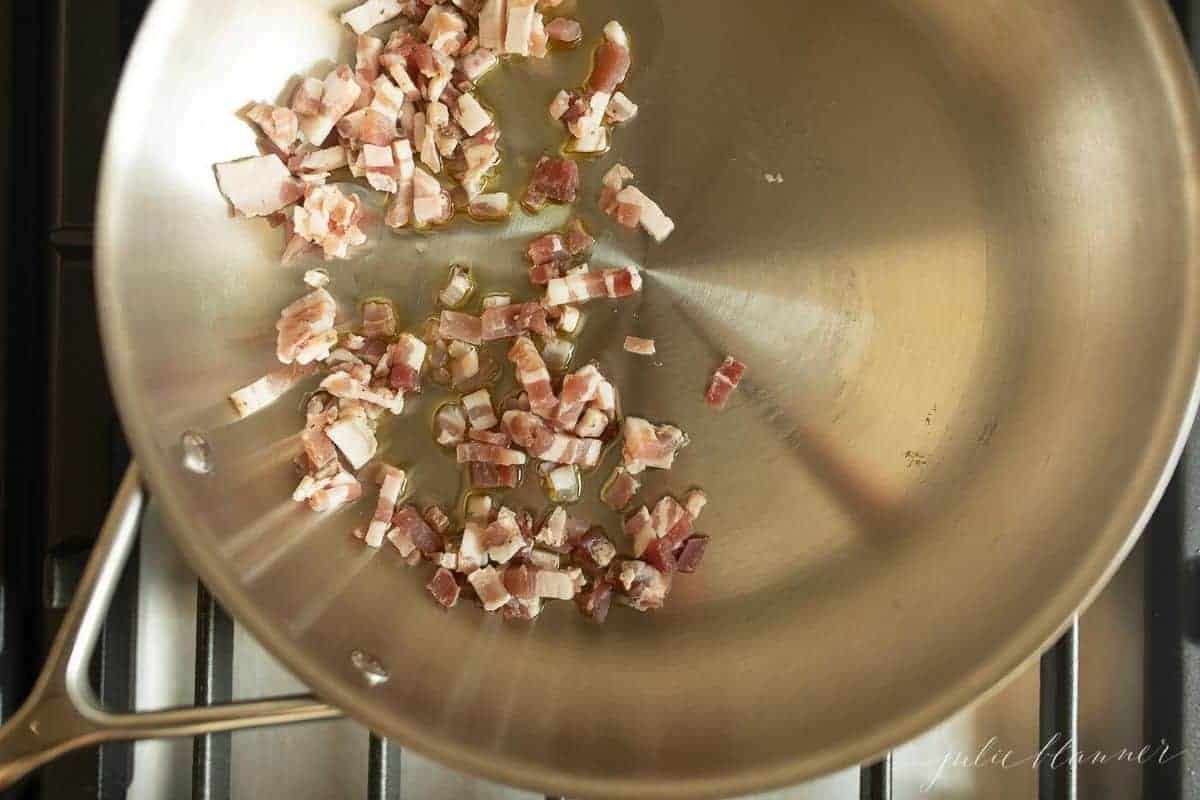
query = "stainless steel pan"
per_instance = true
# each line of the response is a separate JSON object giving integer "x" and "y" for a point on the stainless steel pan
{"x": 970, "y": 314}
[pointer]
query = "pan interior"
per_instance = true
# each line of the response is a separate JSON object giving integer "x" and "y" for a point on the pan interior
{"x": 966, "y": 296}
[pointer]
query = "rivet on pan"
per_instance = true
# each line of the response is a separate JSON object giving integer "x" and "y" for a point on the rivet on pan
{"x": 197, "y": 453}
{"x": 370, "y": 666}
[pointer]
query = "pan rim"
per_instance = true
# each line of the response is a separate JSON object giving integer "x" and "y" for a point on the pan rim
{"x": 1144, "y": 491}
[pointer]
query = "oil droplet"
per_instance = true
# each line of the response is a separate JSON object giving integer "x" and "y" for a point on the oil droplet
{"x": 370, "y": 666}
{"x": 197, "y": 453}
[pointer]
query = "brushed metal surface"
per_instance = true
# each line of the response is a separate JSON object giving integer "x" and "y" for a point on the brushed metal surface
{"x": 970, "y": 317}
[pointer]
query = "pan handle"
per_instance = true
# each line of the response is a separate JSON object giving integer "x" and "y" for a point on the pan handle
{"x": 63, "y": 713}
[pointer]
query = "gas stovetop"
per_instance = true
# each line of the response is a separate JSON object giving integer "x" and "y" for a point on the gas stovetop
{"x": 167, "y": 643}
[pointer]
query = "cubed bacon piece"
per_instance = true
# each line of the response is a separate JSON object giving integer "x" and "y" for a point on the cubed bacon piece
{"x": 479, "y": 410}
{"x": 497, "y": 438}
{"x": 541, "y": 442}
{"x": 695, "y": 502}
{"x": 489, "y": 454}
{"x": 606, "y": 398}
{"x": 645, "y": 587}
{"x": 306, "y": 329}
{"x": 410, "y": 525}
{"x": 563, "y": 483}
{"x": 650, "y": 215}
{"x": 554, "y": 179}
{"x": 431, "y": 203}
{"x": 557, "y": 354}
{"x": 326, "y": 160}
{"x": 595, "y": 141}
{"x": 519, "y": 26}
{"x": 544, "y": 559}
{"x": 505, "y": 322}
{"x": 340, "y": 490}
{"x": 578, "y": 389}
{"x": 620, "y": 109}
{"x": 649, "y": 445}
{"x": 386, "y": 107}
{"x": 477, "y": 63}
{"x": 444, "y": 588}
{"x": 690, "y": 556}
{"x": 316, "y": 278}
{"x": 472, "y": 553}
{"x": 534, "y": 377}
{"x": 355, "y": 439}
{"x": 542, "y": 274}
{"x": 267, "y": 389}
{"x": 408, "y": 358}
{"x": 554, "y": 585}
{"x": 504, "y": 537}
{"x": 330, "y": 219}
{"x": 280, "y": 125}
{"x": 583, "y": 286}
{"x": 569, "y": 319}
{"x": 493, "y": 476}
{"x": 592, "y": 424}
{"x": 489, "y": 586}
{"x": 522, "y": 610}
{"x": 436, "y": 518}
{"x": 396, "y": 65}
{"x": 519, "y": 580}
{"x": 379, "y": 319}
{"x": 620, "y": 489}
{"x": 367, "y": 50}
{"x": 611, "y": 65}
{"x": 660, "y": 554}
{"x": 588, "y": 123}
{"x": 595, "y": 602}
{"x": 371, "y": 13}
{"x": 399, "y": 213}
{"x": 640, "y": 528}
{"x": 394, "y": 481}
{"x": 672, "y": 523}
{"x": 450, "y": 425}
{"x": 595, "y": 551}
{"x": 479, "y": 508}
{"x": 445, "y": 29}
{"x": 492, "y": 206}
{"x": 560, "y": 105}
{"x": 641, "y": 347}
{"x": 493, "y": 19}
{"x": 553, "y": 532}
{"x": 341, "y": 90}
{"x": 564, "y": 30}
{"x": 306, "y": 100}
{"x": 550, "y": 247}
{"x": 258, "y": 187}
{"x": 464, "y": 367}
{"x": 462, "y": 327}
{"x": 724, "y": 381}
{"x": 471, "y": 115}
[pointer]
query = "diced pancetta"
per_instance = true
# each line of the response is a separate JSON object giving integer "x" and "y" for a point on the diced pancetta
{"x": 592, "y": 424}
{"x": 534, "y": 377}
{"x": 493, "y": 18}
{"x": 564, "y": 30}
{"x": 450, "y": 425}
{"x": 477, "y": 63}
{"x": 610, "y": 67}
{"x": 724, "y": 381}
{"x": 620, "y": 109}
{"x": 444, "y": 588}
{"x": 379, "y": 319}
{"x": 431, "y": 203}
{"x": 408, "y": 358}
{"x": 519, "y": 26}
{"x": 267, "y": 389}
{"x": 645, "y": 587}
{"x": 471, "y": 115}
{"x": 550, "y": 247}
{"x": 554, "y": 584}
{"x": 330, "y": 220}
{"x": 579, "y": 241}
{"x": 479, "y": 410}
{"x": 280, "y": 125}
{"x": 400, "y": 211}
{"x": 462, "y": 327}
{"x": 583, "y": 286}
{"x": 532, "y": 433}
{"x": 371, "y": 13}
{"x": 641, "y": 347}
{"x": 338, "y": 491}
{"x": 649, "y": 445}
{"x": 691, "y": 554}
{"x": 445, "y": 29}
{"x": 494, "y": 476}
{"x": 620, "y": 490}
{"x": 394, "y": 481}
{"x": 594, "y": 551}
{"x": 559, "y": 105}
{"x": 472, "y": 552}
{"x": 504, "y": 537}
{"x": 341, "y": 90}
{"x": 489, "y": 586}
{"x": 578, "y": 389}
{"x": 258, "y": 187}
{"x": 458, "y": 289}
{"x": 595, "y": 602}
{"x": 569, "y": 319}
{"x": 306, "y": 329}
{"x": 306, "y": 100}
{"x": 651, "y": 216}
{"x": 410, "y": 526}
{"x": 436, "y": 518}
{"x": 355, "y": 439}
{"x": 554, "y": 179}
{"x": 489, "y": 454}
{"x": 505, "y": 322}
{"x": 492, "y": 206}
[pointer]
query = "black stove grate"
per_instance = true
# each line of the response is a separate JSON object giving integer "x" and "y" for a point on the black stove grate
{"x": 65, "y": 60}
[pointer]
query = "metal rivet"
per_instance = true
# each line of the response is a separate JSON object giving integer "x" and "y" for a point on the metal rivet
{"x": 197, "y": 453}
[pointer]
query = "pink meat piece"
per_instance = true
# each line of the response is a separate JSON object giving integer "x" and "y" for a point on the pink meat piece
{"x": 479, "y": 410}
{"x": 505, "y": 322}
{"x": 450, "y": 425}
{"x": 649, "y": 445}
{"x": 493, "y": 17}
{"x": 258, "y": 187}
{"x": 366, "y": 57}
{"x": 489, "y": 454}
{"x": 595, "y": 550}
{"x": 595, "y": 603}
{"x": 306, "y": 100}
{"x": 640, "y": 529}
{"x": 330, "y": 219}
{"x": 580, "y": 287}
{"x": 641, "y": 347}
{"x": 519, "y": 580}
{"x": 463, "y": 327}
{"x": 477, "y": 63}
{"x": 534, "y": 377}
{"x": 532, "y": 433}
{"x": 492, "y": 476}
{"x": 610, "y": 68}
{"x": 371, "y": 13}
{"x": 394, "y": 481}
{"x": 564, "y": 30}
{"x": 379, "y": 319}
{"x": 620, "y": 489}
{"x": 400, "y": 211}
{"x": 267, "y": 389}
{"x": 306, "y": 329}
{"x": 660, "y": 555}
{"x": 542, "y": 274}
{"x": 550, "y": 247}
{"x": 645, "y": 587}
{"x": 489, "y": 585}
{"x": 444, "y": 588}
{"x": 554, "y": 179}
{"x": 691, "y": 554}
{"x": 342, "y": 489}
{"x": 318, "y": 161}
{"x": 578, "y": 389}
{"x": 280, "y": 125}
{"x": 724, "y": 381}
{"x": 436, "y": 518}
{"x": 408, "y": 357}
{"x": 410, "y": 525}
{"x": 431, "y": 203}
{"x": 341, "y": 90}
{"x": 497, "y": 438}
